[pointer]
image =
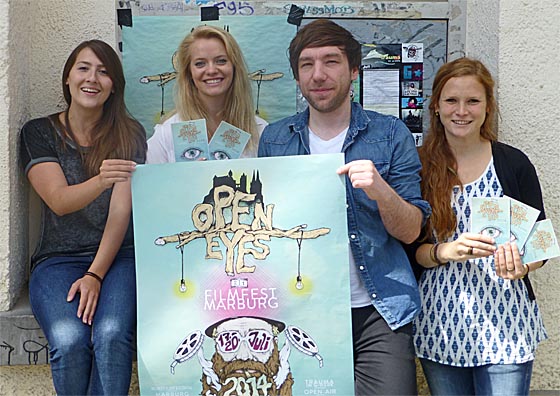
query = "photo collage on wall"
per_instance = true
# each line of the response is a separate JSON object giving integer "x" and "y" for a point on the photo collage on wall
{"x": 391, "y": 82}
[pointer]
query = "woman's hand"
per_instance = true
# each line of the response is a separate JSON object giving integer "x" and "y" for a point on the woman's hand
{"x": 89, "y": 289}
{"x": 507, "y": 261}
{"x": 114, "y": 171}
{"x": 467, "y": 246}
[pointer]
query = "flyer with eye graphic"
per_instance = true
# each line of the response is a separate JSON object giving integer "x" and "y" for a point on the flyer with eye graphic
{"x": 190, "y": 140}
{"x": 228, "y": 142}
{"x": 242, "y": 277}
{"x": 522, "y": 219}
{"x": 541, "y": 244}
{"x": 491, "y": 217}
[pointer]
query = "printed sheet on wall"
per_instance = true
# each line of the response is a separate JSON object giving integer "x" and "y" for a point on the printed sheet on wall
{"x": 242, "y": 277}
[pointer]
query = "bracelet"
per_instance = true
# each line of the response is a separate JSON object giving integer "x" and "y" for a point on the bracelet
{"x": 94, "y": 275}
{"x": 435, "y": 256}
{"x": 528, "y": 270}
{"x": 432, "y": 253}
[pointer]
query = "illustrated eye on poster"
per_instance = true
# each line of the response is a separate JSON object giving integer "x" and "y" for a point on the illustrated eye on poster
{"x": 233, "y": 271}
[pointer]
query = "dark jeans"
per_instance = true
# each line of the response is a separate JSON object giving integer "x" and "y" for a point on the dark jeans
{"x": 383, "y": 359}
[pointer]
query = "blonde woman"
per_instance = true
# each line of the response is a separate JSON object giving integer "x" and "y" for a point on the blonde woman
{"x": 212, "y": 83}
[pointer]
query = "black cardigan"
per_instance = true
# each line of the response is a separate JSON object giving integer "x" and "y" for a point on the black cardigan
{"x": 519, "y": 180}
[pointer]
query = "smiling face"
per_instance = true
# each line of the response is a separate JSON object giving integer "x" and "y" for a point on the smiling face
{"x": 88, "y": 81}
{"x": 325, "y": 78}
{"x": 211, "y": 69}
{"x": 462, "y": 107}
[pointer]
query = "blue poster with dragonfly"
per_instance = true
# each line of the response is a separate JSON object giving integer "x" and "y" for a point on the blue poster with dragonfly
{"x": 242, "y": 277}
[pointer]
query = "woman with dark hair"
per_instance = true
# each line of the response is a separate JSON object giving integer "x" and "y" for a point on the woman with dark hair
{"x": 82, "y": 286}
{"x": 480, "y": 325}
{"x": 212, "y": 84}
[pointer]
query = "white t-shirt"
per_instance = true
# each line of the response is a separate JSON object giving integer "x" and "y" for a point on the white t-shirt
{"x": 160, "y": 146}
{"x": 359, "y": 295}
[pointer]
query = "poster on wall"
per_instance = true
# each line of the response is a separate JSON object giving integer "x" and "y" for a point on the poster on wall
{"x": 391, "y": 81}
{"x": 242, "y": 277}
{"x": 150, "y": 63}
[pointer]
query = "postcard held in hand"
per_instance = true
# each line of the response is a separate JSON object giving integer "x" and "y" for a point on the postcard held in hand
{"x": 228, "y": 142}
{"x": 190, "y": 140}
{"x": 542, "y": 243}
{"x": 491, "y": 217}
{"x": 523, "y": 218}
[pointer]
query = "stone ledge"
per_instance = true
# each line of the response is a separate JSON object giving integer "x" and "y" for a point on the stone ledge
{"x": 21, "y": 340}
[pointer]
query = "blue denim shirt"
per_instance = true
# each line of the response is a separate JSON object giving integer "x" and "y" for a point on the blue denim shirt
{"x": 380, "y": 258}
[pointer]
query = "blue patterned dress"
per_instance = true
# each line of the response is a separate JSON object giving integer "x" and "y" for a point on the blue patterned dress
{"x": 470, "y": 316}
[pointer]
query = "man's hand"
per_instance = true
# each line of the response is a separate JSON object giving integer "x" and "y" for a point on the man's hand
{"x": 364, "y": 175}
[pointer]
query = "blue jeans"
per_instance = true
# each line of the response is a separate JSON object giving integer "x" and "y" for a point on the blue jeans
{"x": 96, "y": 359}
{"x": 490, "y": 379}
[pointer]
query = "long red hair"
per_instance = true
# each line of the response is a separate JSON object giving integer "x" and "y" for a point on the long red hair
{"x": 439, "y": 165}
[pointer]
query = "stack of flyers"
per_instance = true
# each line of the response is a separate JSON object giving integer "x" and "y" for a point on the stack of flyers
{"x": 190, "y": 140}
{"x": 228, "y": 142}
{"x": 506, "y": 219}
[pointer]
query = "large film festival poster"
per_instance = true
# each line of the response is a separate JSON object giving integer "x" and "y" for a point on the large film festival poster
{"x": 242, "y": 277}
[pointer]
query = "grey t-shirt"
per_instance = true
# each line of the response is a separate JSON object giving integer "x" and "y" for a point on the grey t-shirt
{"x": 78, "y": 233}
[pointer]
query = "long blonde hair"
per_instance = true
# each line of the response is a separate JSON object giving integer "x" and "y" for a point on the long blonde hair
{"x": 238, "y": 110}
{"x": 439, "y": 165}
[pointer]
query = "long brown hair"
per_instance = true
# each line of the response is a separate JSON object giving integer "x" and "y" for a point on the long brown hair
{"x": 439, "y": 165}
{"x": 117, "y": 134}
{"x": 238, "y": 110}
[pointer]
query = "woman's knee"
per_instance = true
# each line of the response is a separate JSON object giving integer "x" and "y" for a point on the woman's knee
{"x": 112, "y": 334}
{"x": 66, "y": 337}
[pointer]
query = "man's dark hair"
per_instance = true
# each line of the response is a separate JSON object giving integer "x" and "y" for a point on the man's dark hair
{"x": 324, "y": 33}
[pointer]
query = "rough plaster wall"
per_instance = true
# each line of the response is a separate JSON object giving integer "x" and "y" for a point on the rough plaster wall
{"x": 60, "y": 26}
{"x": 528, "y": 87}
{"x": 13, "y": 77}
{"x": 32, "y": 82}
{"x": 4, "y": 160}
{"x": 528, "y": 84}
{"x": 18, "y": 55}
{"x": 482, "y": 32}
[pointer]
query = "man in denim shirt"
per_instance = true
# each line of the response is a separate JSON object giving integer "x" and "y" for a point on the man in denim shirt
{"x": 383, "y": 197}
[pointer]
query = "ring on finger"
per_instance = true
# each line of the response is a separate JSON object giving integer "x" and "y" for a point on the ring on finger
{"x": 470, "y": 252}
{"x": 510, "y": 269}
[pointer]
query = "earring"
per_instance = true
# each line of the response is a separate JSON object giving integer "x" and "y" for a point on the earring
{"x": 437, "y": 113}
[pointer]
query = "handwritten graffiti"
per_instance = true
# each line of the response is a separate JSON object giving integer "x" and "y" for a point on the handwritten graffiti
{"x": 172, "y": 6}
{"x": 236, "y": 7}
{"x": 6, "y": 346}
{"x": 325, "y": 9}
{"x": 33, "y": 348}
{"x": 197, "y": 2}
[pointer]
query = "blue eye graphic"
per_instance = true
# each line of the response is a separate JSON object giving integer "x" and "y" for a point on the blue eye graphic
{"x": 191, "y": 154}
{"x": 219, "y": 155}
{"x": 492, "y": 232}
